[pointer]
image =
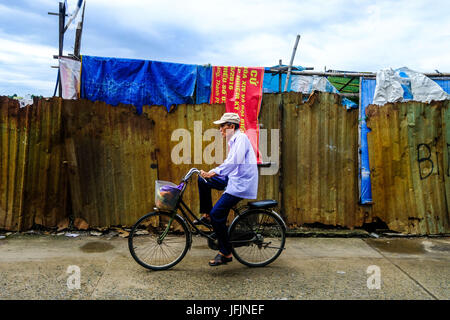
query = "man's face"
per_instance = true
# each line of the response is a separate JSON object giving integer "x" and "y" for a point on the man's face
{"x": 227, "y": 130}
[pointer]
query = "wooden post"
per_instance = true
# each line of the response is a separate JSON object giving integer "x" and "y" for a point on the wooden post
{"x": 77, "y": 47}
{"x": 62, "y": 17}
{"x": 279, "y": 78}
{"x": 291, "y": 63}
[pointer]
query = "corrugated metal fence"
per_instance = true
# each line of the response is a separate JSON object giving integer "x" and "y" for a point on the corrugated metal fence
{"x": 79, "y": 159}
{"x": 320, "y": 161}
{"x": 409, "y": 149}
{"x": 33, "y": 183}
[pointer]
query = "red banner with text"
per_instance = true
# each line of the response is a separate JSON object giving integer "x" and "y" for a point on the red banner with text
{"x": 240, "y": 88}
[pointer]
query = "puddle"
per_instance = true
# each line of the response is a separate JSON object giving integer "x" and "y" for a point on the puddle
{"x": 441, "y": 247}
{"x": 96, "y": 246}
{"x": 406, "y": 246}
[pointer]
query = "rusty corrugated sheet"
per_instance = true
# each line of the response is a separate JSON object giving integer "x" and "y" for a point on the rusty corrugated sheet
{"x": 408, "y": 153}
{"x": 320, "y": 161}
{"x": 45, "y": 187}
{"x": 196, "y": 119}
{"x": 446, "y": 155}
{"x": 12, "y": 164}
{"x": 269, "y": 117}
{"x": 109, "y": 152}
{"x": 33, "y": 180}
{"x": 111, "y": 157}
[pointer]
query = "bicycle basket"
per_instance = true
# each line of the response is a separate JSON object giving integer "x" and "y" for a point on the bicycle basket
{"x": 166, "y": 195}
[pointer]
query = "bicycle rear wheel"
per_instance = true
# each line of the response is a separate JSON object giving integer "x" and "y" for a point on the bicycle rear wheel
{"x": 159, "y": 240}
{"x": 257, "y": 238}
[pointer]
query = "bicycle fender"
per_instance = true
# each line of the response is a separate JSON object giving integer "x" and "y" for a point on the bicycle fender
{"x": 279, "y": 217}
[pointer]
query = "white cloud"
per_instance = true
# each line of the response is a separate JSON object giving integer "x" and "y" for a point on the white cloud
{"x": 340, "y": 34}
{"x": 26, "y": 67}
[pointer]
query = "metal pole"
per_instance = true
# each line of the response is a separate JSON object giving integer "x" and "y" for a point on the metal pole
{"x": 349, "y": 74}
{"x": 291, "y": 63}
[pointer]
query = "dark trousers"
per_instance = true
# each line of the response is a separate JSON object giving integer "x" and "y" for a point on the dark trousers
{"x": 218, "y": 213}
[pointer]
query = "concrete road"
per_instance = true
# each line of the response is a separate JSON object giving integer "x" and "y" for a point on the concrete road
{"x": 35, "y": 267}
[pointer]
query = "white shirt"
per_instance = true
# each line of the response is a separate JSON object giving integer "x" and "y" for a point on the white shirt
{"x": 240, "y": 167}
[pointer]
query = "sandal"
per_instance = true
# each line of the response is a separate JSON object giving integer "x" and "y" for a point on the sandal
{"x": 220, "y": 259}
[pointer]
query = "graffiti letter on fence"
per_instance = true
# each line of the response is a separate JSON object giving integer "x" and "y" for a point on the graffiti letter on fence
{"x": 420, "y": 160}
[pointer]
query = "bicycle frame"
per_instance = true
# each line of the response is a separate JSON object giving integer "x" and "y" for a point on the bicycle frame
{"x": 189, "y": 221}
{"x": 181, "y": 204}
{"x": 243, "y": 230}
{"x": 185, "y": 215}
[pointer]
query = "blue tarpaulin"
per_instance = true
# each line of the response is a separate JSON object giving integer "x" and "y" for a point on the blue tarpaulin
{"x": 367, "y": 94}
{"x": 141, "y": 82}
{"x": 271, "y": 82}
{"x": 204, "y": 78}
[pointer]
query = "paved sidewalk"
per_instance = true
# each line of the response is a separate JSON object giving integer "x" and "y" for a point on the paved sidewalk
{"x": 35, "y": 267}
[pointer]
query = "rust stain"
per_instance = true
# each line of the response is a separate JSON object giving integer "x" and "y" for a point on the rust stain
{"x": 99, "y": 163}
{"x": 320, "y": 161}
{"x": 408, "y": 157}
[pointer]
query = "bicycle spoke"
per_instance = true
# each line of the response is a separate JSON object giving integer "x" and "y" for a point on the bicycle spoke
{"x": 265, "y": 245}
{"x": 155, "y": 252}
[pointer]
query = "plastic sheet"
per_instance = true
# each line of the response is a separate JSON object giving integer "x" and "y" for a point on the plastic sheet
{"x": 404, "y": 84}
{"x": 271, "y": 82}
{"x": 308, "y": 84}
{"x": 137, "y": 82}
{"x": 203, "y": 87}
{"x": 368, "y": 88}
{"x": 367, "y": 92}
{"x": 70, "y": 71}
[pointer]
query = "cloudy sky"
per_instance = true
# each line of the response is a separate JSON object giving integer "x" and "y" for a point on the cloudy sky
{"x": 336, "y": 34}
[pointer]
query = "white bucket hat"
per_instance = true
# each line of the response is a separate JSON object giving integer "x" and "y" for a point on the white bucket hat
{"x": 229, "y": 117}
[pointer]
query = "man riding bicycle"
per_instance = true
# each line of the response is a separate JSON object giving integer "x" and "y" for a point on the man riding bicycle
{"x": 237, "y": 175}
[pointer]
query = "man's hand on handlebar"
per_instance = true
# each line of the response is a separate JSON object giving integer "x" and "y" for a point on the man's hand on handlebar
{"x": 207, "y": 175}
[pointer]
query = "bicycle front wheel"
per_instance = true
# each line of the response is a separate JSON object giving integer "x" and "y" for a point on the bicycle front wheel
{"x": 257, "y": 238}
{"x": 159, "y": 240}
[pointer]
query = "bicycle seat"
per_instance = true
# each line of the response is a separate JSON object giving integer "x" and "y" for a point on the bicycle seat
{"x": 262, "y": 204}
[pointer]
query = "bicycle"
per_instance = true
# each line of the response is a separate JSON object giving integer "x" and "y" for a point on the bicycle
{"x": 160, "y": 239}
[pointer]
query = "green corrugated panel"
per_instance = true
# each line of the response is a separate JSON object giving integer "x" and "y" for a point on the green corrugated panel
{"x": 340, "y": 82}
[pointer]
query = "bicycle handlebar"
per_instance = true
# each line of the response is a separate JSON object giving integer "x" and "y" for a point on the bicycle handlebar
{"x": 190, "y": 173}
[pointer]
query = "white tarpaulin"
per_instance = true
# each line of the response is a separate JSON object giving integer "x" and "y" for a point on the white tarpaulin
{"x": 403, "y": 85}
{"x": 70, "y": 75}
{"x": 308, "y": 84}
